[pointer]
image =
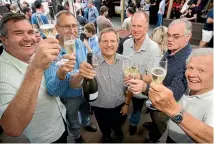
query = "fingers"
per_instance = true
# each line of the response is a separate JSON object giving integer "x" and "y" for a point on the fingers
{"x": 87, "y": 71}
{"x": 156, "y": 87}
{"x": 69, "y": 56}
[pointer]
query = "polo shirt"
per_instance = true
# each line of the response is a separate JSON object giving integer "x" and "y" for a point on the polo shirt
{"x": 199, "y": 106}
{"x": 47, "y": 124}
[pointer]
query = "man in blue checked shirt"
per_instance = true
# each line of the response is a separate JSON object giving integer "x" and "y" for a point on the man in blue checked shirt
{"x": 58, "y": 79}
{"x": 92, "y": 12}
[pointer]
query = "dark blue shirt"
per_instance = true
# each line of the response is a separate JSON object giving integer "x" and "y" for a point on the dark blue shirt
{"x": 209, "y": 26}
{"x": 175, "y": 78}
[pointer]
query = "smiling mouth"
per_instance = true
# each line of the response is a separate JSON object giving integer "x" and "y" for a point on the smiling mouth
{"x": 193, "y": 81}
{"x": 27, "y": 45}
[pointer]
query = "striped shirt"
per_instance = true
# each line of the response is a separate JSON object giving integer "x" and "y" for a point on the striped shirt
{"x": 175, "y": 77}
{"x": 111, "y": 87}
{"x": 57, "y": 87}
{"x": 47, "y": 123}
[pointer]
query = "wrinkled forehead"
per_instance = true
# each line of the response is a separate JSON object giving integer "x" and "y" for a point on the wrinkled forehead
{"x": 205, "y": 62}
{"x": 108, "y": 36}
{"x": 23, "y": 25}
{"x": 67, "y": 19}
{"x": 177, "y": 28}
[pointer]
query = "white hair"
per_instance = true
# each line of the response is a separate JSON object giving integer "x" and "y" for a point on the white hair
{"x": 187, "y": 23}
{"x": 200, "y": 52}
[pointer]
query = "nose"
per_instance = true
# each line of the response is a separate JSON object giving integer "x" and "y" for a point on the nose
{"x": 192, "y": 73}
{"x": 27, "y": 36}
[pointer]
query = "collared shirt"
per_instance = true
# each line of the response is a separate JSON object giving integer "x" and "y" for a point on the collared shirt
{"x": 175, "y": 78}
{"x": 200, "y": 107}
{"x": 103, "y": 22}
{"x": 57, "y": 87}
{"x": 110, "y": 82}
{"x": 145, "y": 55}
{"x": 94, "y": 44}
{"x": 92, "y": 14}
{"x": 47, "y": 124}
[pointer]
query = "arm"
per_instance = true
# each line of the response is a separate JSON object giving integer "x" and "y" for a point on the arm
{"x": 163, "y": 99}
{"x": 57, "y": 79}
{"x": 20, "y": 110}
{"x": 210, "y": 20}
{"x": 193, "y": 18}
{"x": 125, "y": 24}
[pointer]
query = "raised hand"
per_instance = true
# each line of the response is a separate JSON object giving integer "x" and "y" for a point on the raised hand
{"x": 87, "y": 71}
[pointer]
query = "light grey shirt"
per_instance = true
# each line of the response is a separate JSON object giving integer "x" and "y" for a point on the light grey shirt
{"x": 199, "y": 106}
{"x": 111, "y": 87}
{"x": 47, "y": 124}
{"x": 145, "y": 55}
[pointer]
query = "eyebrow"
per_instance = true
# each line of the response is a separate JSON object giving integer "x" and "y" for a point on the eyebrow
{"x": 173, "y": 34}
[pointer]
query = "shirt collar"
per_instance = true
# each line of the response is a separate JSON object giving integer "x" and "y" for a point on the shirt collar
{"x": 20, "y": 64}
{"x": 102, "y": 60}
{"x": 143, "y": 46}
{"x": 183, "y": 52}
{"x": 203, "y": 96}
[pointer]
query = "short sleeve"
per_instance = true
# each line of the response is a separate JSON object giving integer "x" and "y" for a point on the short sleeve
{"x": 209, "y": 117}
{"x": 7, "y": 92}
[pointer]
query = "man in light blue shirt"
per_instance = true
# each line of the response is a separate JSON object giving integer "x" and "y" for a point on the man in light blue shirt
{"x": 92, "y": 12}
{"x": 58, "y": 79}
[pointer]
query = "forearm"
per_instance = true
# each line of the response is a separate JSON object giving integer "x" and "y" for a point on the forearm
{"x": 210, "y": 20}
{"x": 196, "y": 129}
{"x": 129, "y": 96}
{"x": 76, "y": 81}
{"x": 21, "y": 109}
{"x": 192, "y": 18}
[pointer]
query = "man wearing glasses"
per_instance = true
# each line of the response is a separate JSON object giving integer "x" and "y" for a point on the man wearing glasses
{"x": 58, "y": 78}
{"x": 179, "y": 34}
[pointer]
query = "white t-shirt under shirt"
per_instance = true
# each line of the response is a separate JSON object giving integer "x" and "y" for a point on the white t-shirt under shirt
{"x": 47, "y": 124}
{"x": 200, "y": 107}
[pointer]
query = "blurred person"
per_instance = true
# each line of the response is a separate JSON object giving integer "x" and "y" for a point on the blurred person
{"x": 207, "y": 31}
{"x": 92, "y": 12}
{"x": 146, "y": 6}
{"x": 97, "y": 4}
{"x": 127, "y": 22}
{"x": 77, "y": 6}
{"x": 28, "y": 13}
{"x": 139, "y": 48}
{"x": 101, "y": 21}
{"x": 26, "y": 107}
{"x": 82, "y": 20}
{"x": 60, "y": 8}
{"x": 111, "y": 106}
{"x": 38, "y": 36}
{"x": 58, "y": 78}
{"x": 25, "y": 4}
{"x": 161, "y": 12}
{"x": 179, "y": 34}
{"x": 191, "y": 13}
{"x": 159, "y": 35}
{"x": 39, "y": 18}
{"x": 192, "y": 117}
{"x": 92, "y": 42}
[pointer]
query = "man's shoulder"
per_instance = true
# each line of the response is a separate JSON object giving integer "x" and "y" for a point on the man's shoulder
{"x": 151, "y": 44}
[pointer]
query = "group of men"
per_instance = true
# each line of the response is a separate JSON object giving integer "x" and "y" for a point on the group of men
{"x": 40, "y": 99}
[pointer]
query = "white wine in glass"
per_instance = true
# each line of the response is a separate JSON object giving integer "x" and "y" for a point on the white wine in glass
{"x": 158, "y": 75}
{"x": 49, "y": 30}
{"x": 69, "y": 44}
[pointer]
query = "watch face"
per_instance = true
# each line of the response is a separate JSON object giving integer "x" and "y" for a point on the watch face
{"x": 178, "y": 118}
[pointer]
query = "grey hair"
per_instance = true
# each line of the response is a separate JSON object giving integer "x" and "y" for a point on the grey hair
{"x": 9, "y": 17}
{"x": 200, "y": 52}
{"x": 187, "y": 23}
{"x": 66, "y": 12}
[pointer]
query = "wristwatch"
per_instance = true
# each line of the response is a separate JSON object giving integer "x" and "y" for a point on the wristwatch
{"x": 177, "y": 118}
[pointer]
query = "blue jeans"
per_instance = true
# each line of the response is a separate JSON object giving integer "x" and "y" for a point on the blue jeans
{"x": 73, "y": 106}
{"x": 160, "y": 20}
{"x": 136, "y": 114}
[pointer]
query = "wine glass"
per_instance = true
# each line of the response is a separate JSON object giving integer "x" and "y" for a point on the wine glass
{"x": 48, "y": 30}
{"x": 126, "y": 67}
{"x": 158, "y": 74}
{"x": 134, "y": 69}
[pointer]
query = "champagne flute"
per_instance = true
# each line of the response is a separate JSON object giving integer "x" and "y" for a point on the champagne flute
{"x": 158, "y": 74}
{"x": 134, "y": 69}
{"x": 126, "y": 67}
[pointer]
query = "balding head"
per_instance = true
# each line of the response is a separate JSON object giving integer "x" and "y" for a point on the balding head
{"x": 141, "y": 15}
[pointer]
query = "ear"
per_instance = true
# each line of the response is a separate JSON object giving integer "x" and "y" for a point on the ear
{"x": 189, "y": 37}
{"x": 4, "y": 40}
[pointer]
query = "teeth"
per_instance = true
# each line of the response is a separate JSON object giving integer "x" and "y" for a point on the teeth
{"x": 193, "y": 81}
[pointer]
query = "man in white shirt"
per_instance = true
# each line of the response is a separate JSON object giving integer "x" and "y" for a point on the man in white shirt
{"x": 192, "y": 118}
{"x": 127, "y": 22}
{"x": 161, "y": 12}
{"x": 25, "y": 106}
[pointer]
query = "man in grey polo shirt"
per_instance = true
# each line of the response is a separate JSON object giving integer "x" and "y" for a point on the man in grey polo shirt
{"x": 139, "y": 48}
{"x": 25, "y": 106}
{"x": 111, "y": 105}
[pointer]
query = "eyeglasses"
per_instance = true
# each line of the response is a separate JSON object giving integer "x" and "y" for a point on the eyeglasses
{"x": 69, "y": 27}
{"x": 175, "y": 36}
